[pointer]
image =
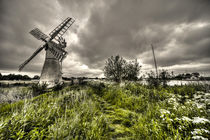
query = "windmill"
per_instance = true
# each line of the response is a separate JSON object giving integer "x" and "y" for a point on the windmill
{"x": 54, "y": 46}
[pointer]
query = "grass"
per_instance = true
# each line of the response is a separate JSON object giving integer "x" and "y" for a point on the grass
{"x": 108, "y": 111}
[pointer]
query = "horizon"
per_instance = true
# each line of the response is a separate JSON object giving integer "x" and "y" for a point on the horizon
{"x": 179, "y": 31}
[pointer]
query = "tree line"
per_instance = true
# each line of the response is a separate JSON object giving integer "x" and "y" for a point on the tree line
{"x": 118, "y": 69}
{"x": 17, "y": 77}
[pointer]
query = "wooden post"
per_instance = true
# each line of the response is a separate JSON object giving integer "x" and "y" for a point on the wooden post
{"x": 155, "y": 61}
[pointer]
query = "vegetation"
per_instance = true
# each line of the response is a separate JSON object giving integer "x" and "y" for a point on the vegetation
{"x": 161, "y": 79}
{"x": 132, "y": 70}
{"x": 118, "y": 69}
{"x": 106, "y": 111}
{"x": 17, "y": 77}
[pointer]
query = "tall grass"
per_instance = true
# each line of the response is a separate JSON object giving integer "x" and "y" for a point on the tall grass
{"x": 105, "y": 111}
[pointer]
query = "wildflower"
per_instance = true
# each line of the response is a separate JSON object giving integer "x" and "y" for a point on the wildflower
{"x": 200, "y": 105}
{"x": 163, "y": 111}
{"x": 200, "y": 120}
{"x": 196, "y": 132}
{"x": 199, "y": 138}
{"x": 197, "y": 96}
{"x": 184, "y": 118}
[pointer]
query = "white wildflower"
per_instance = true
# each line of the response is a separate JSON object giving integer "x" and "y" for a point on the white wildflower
{"x": 200, "y": 105}
{"x": 197, "y": 96}
{"x": 177, "y": 119}
{"x": 196, "y": 132}
{"x": 205, "y": 131}
{"x": 163, "y": 111}
{"x": 170, "y": 119}
{"x": 184, "y": 118}
{"x": 207, "y": 101}
{"x": 199, "y": 138}
{"x": 200, "y": 120}
{"x": 181, "y": 127}
{"x": 1, "y": 124}
{"x": 171, "y": 100}
{"x": 207, "y": 95}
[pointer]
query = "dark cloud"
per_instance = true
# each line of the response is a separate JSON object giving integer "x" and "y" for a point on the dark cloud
{"x": 129, "y": 27}
{"x": 179, "y": 31}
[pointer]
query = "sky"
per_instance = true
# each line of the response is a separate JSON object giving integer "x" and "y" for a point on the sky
{"x": 179, "y": 31}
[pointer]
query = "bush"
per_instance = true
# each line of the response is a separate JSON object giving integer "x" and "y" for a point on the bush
{"x": 161, "y": 79}
{"x": 117, "y": 69}
{"x": 38, "y": 89}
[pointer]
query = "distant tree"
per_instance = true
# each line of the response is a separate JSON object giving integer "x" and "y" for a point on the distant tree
{"x": 196, "y": 74}
{"x": 179, "y": 77}
{"x": 152, "y": 79}
{"x": 132, "y": 71}
{"x": 114, "y": 68}
{"x": 117, "y": 69}
{"x": 164, "y": 77}
{"x": 26, "y": 77}
{"x": 15, "y": 77}
{"x": 188, "y": 75}
{"x": 36, "y": 77}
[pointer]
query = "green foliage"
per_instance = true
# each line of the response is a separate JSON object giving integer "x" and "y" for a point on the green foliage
{"x": 14, "y": 77}
{"x": 114, "y": 68}
{"x": 117, "y": 69}
{"x": 152, "y": 79}
{"x": 164, "y": 77}
{"x": 132, "y": 71}
{"x": 161, "y": 79}
{"x": 105, "y": 111}
{"x": 38, "y": 89}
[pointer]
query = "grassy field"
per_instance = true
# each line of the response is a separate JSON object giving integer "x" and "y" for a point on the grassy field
{"x": 107, "y": 111}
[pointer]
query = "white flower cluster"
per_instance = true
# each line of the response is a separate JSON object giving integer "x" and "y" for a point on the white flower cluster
{"x": 184, "y": 118}
{"x": 199, "y": 138}
{"x": 173, "y": 101}
{"x": 164, "y": 113}
{"x": 199, "y": 131}
{"x": 197, "y": 120}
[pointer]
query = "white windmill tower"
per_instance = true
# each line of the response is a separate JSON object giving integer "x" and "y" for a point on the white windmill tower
{"x": 54, "y": 46}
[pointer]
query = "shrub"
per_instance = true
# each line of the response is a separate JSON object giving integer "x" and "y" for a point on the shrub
{"x": 38, "y": 89}
{"x": 117, "y": 69}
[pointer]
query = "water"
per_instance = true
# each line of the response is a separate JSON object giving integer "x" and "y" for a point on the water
{"x": 187, "y": 82}
{"x": 171, "y": 83}
{"x": 182, "y": 82}
{"x": 18, "y": 81}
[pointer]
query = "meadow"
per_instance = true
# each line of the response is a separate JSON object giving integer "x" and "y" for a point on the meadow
{"x": 97, "y": 110}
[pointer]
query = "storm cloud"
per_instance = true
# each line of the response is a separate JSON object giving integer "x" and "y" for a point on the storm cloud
{"x": 178, "y": 30}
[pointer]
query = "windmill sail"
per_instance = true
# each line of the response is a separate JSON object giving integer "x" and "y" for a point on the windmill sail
{"x": 38, "y": 34}
{"x": 30, "y": 58}
{"x": 61, "y": 29}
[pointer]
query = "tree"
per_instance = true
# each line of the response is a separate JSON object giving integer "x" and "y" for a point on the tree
{"x": 36, "y": 77}
{"x": 114, "y": 68}
{"x": 117, "y": 69}
{"x": 132, "y": 71}
{"x": 152, "y": 79}
{"x": 164, "y": 77}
